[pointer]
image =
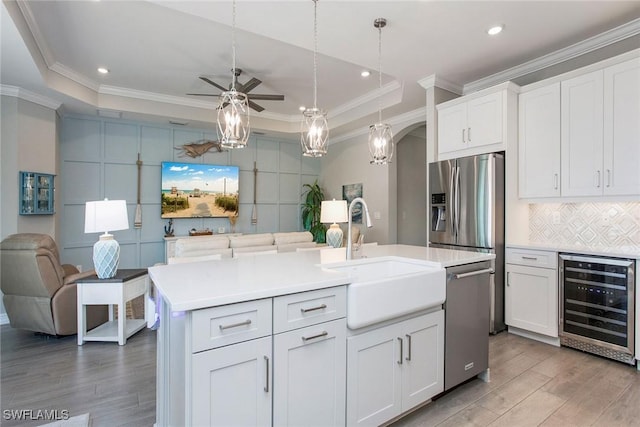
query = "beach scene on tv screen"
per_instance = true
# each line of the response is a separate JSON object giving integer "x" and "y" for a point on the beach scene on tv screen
{"x": 199, "y": 190}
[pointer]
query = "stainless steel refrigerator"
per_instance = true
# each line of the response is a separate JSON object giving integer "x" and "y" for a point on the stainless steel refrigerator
{"x": 467, "y": 213}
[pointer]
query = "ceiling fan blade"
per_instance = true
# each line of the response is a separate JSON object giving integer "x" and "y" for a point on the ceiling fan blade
{"x": 250, "y": 85}
{"x": 202, "y": 94}
{"x": 211, "y": 82}
{"x": 265, "y": 97}
{"x": 255, "y": 106}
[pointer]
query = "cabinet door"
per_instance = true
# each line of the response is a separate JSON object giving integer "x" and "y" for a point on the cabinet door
{"x": 423, "y": 359}
{"x": 531, "y": 299}
{"x": 582, "y": 137}
{"x": 539, "y": 142}
{"x": 374, "y": 376}
{"x": 231, "y": 386}
{"x": 622, "y": 128}
{"x": 484, "y": 120}
{"x": 310, "y": 369}
{"x": 452, "y": 122}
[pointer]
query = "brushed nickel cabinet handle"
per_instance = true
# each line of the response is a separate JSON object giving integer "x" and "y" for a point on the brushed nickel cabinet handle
{"x": 598, "y": 179}
{"x": 469, "y": 134}
{"x": 463, "y": 141}
{"x": 401, "y": 350}
{"x": 266, "y": 363}
{"x": 408, "y": 358}
{"x": 235, "y": 325}
{"x": 608, "y": 177}
{"x": 530, "y": 258}
{"x": 508, "y": 276}
{"x": 320, "y": 335}
{"x": 320, "y": 307}
{"x": 555, "y": 181}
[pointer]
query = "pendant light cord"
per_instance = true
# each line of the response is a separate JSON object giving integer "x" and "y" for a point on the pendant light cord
{"x": 380, "y": 73}
{"x": 233, "y": 47}
{"x": 315, "y": 54}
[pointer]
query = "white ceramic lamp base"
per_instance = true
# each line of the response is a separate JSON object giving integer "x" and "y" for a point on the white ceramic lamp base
{"x": 106, "y": 256}
{"x": 334, "y": 236}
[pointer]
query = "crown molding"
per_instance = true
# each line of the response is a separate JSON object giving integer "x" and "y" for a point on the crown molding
{"x": 366, "y": 98}
{"x": 70, "y": 74}
{"x": 591, "y": 44}
{"x": 29, "y": 96}
{"x": 39, "y": 40}
{"x": 436, "y": 81}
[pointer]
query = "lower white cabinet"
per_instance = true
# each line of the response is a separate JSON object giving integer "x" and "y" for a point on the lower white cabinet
{"x": 394, "y": 368}
{"x": 310, "y": 369}
{"x": 531, "y": 291}
{"x": 232, "y": 385}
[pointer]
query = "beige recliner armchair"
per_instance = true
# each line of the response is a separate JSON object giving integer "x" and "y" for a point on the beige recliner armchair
{"x": 39, "y": 292}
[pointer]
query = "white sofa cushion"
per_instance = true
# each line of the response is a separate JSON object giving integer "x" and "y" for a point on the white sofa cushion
{"x": 250, "y": 249}
{"x": 292, "y": 237}
{"x": 198, "y": 246}
{"x": 292, "y": 247}
{"x": 251, "y": 240}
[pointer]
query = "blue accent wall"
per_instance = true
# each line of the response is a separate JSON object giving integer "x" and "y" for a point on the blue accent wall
{"x": 98, "y": 160}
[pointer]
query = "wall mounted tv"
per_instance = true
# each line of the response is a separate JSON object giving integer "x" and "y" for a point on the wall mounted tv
{"x": 195, "y": 190}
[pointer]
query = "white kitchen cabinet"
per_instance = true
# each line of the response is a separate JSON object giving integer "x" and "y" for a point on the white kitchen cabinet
{"x": 581, "y": 135}
{"x": 310, "y": 371}
{"x": 232, "y": 385}
{"x": 393, "y": 368}
{"x": 531, "y": 291}
{"x": 477, "y": 123}
{"x": 539, "y": 142}
{"x": 622, "y": 129}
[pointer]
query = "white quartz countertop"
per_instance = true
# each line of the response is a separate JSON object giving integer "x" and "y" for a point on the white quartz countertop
{"x": 191, "y": 286}
{"x": 618, "y": 251}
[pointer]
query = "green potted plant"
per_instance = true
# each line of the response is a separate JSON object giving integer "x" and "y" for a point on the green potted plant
{"x": 313, "y": 197}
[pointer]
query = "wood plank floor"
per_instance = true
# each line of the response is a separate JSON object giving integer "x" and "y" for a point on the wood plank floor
{"x": 532, "y": 384}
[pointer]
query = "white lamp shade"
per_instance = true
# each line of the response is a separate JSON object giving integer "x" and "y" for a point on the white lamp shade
{"x": 333, "y": 211}
{"x": 106, "y": 215}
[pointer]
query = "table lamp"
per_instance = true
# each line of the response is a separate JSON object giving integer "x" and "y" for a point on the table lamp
{"x": 104, "y": 216}
{"x": 334, "y": 211}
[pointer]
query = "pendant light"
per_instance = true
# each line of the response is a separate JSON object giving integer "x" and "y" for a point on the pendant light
{"x": 233, "y": 110}
{"x": 315, "y": 129}
{"x": 380, "y": 135}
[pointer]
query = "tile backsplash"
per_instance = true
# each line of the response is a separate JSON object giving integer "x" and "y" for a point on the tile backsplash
{"x": 594, "y": 225}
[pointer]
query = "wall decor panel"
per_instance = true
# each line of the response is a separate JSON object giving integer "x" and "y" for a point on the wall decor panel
{"x": 83, "y": 140}
{"x": 290, "y": 217}
{"x": 120, "y": 142}
{"x": 156, "y": 145}
{"x": 267, "y": 155}
{"x": 290, "y": 189}
{"x": 80, "y": 182}
{"x": 120, "y": 181}
{"x": 290, "y": 155}
{"x": 267, "y": 218}
{"x": 267, "y": 187}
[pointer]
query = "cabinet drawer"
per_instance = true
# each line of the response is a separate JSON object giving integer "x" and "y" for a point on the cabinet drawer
{"x": 308, "y": 308}
{"x": 229, "y": 324}
{"x": 534, "y": 258}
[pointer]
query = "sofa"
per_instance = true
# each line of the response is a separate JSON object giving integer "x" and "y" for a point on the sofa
{"x": 233, "y": 246}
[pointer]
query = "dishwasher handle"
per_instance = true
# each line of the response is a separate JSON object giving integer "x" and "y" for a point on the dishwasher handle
{"x": 473, "y": 273}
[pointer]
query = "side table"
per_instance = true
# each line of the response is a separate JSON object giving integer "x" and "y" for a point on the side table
{"x": 125, "y": 286}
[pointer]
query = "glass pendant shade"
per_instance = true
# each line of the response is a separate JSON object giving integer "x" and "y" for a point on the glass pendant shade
{"x": 233, "y": 119}
{"x": 314, "y": 132}
{"x": 380, "y": 143}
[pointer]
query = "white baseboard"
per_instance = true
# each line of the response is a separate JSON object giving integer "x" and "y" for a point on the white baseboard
{"x": 535, "y": 336}
{"x": 4, "y": 319}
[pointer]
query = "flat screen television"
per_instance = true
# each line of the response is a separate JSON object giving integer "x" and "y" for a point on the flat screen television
{"x": 195, "y": 190}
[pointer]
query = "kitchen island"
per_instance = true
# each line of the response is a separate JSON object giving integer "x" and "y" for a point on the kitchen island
{"x": 241, "y": 341}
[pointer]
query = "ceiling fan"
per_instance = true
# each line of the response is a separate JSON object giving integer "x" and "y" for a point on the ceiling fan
{"x": 244, "y": 88}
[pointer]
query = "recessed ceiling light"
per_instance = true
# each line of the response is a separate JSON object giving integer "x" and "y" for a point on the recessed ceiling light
{"x": 103, "y": 70}
{"x": 365, "y": 73}
{"x": 302, "y": 108}
{"x": 495, "y": 30}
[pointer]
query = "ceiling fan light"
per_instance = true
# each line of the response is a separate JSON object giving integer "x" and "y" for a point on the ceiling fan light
{"x": 233, "y": 119}
{"x": 380, "y": 144}
{"x": 314, "y": 132}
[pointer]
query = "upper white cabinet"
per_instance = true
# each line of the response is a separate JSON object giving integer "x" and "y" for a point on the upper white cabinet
{"x": 476, "y": 123}
{"x": 580, "y": 136}
{"x": 581, "y": 141}
{"x": 622, "y": 128}
{"x": 539, "y": 142}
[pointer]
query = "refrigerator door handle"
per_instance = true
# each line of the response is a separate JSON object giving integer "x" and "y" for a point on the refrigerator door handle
{"x": 457, "y": 201}
{"x": 452, "y": 209}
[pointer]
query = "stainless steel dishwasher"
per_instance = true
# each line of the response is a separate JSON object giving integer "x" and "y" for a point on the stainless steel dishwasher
{"x": 467, "y": 319}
